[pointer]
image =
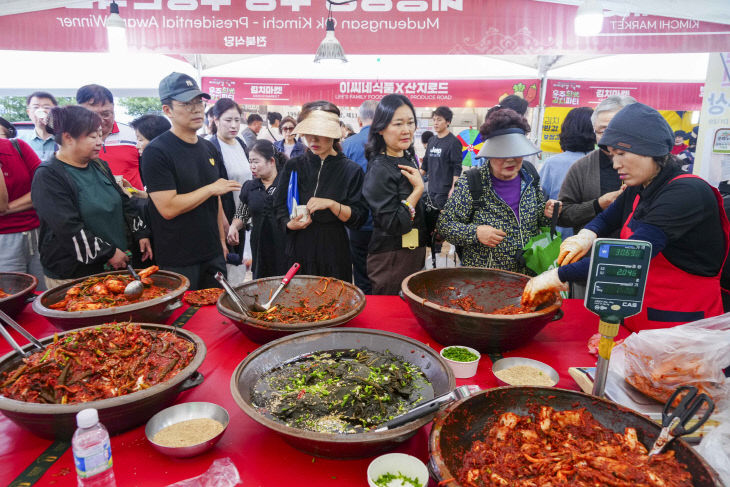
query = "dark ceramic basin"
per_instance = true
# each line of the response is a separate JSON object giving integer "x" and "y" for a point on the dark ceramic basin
{"x": 350, "y": 296}
{"x": 117, "y": 414}
{"x": 461, "y": 423}
{"x": 492, "y": 289}
{"x": 354, "y": 445}
{"x": 20, "y": 286}
{"x": 155, "y": 310}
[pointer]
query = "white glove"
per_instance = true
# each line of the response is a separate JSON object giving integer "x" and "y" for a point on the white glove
{"x": 542, "y": 288}
{"x": 574, "y": 248}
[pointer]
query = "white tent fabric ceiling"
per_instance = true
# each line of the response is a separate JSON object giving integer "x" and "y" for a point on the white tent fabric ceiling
{"x": 716, "y": 11}
{"x": 149, "y": 68}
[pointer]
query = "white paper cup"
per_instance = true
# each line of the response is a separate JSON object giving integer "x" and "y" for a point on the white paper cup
{"x": 462, "y": 370}
{"x": 298, "y": 211}
{"x": 394, "y": 463}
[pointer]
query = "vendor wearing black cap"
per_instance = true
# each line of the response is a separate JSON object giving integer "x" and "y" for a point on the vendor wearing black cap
{"x": 680, "y": 214}
{"x": 185, "y": 178}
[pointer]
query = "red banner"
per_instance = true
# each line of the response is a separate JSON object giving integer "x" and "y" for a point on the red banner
{"x": 422, "y": 93}
{"x": 662, "y": 96}
{"x": 363, "y": 27}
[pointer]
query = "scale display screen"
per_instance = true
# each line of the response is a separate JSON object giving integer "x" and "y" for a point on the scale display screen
{"x": 621, "y": 271}
{"x": 619, "y": 251}
{"x": 618, "y": 289}
{"x": 617, "y": 277}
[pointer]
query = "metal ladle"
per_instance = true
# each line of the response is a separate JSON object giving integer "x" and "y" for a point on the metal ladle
{"x": 134, "y": 289}
{"x": 4, "y": 332}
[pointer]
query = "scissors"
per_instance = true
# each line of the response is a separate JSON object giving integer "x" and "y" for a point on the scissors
{"x": 674, "y": 424}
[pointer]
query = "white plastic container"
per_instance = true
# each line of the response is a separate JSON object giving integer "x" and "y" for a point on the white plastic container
{"x": 462, "y": 370}
{"x": 395, "y": 463}
{"x": 92, "y": 451}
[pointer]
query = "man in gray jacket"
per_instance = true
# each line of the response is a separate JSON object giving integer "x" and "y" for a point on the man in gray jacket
{"x": 592, "y": 183}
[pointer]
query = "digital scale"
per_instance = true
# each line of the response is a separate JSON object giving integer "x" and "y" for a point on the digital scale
{"x": 615, "y": 291}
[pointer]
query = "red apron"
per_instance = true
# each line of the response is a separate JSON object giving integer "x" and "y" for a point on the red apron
{"x": 673, "y": 296}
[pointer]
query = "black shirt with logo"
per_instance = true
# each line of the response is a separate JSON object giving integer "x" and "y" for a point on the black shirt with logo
{"x": 169, "y": 163}
{"x": 442, "y": 163}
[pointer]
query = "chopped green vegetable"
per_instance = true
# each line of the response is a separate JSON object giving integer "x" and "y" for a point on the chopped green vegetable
{"x": 459, "y": 354}
{"x": 385, "y": 480}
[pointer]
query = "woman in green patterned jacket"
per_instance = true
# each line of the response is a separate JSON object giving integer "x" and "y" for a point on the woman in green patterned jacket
{"x": 495, "y": 216}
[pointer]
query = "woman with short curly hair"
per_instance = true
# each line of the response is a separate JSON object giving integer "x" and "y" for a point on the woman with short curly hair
{"x": 497, "y": 208}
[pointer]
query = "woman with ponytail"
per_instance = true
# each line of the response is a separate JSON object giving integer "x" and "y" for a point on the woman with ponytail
{"x": 256, "y": 205}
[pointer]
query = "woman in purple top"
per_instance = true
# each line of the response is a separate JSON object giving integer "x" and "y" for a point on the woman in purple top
{"x": 497, "y": 208}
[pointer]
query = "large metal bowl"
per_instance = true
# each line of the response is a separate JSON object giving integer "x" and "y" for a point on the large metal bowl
{"x": 350, "y": 296}
{"x": 118, "y": 413}
{"x": 19, "y": 286}
{"x": 424, "y": 290}
{"x": 463, "y": 422}
{"x": 155, "y": 310}
{"x": 354, "y": 445}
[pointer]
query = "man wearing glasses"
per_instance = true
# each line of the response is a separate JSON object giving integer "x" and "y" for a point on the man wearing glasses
{"x": 120, "y": 141}
{"x": 38, "y": 105}
{"x": 185, "y": 178}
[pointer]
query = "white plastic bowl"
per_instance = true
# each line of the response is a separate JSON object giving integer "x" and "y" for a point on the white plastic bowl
{"x": 395, "y": 463}
{"x": 462, "y": 370}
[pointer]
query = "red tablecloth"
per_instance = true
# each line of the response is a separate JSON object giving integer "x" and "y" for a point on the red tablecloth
{"x": 261, "y": 456}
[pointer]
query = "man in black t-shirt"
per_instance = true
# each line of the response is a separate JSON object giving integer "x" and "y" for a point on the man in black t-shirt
{"x": 181, "y": 171}
{"x": 442, "y": 161}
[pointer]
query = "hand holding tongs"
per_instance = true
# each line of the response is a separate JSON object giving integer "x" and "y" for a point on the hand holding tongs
{"x": 8, "y": 320}
{"x": 674, "y": 424}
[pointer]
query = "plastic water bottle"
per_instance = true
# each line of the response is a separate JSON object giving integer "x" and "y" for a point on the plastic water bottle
{"x": 92, "y": 451}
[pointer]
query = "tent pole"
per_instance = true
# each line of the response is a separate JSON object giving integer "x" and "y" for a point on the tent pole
{"x": 198, "y": 62}
{"x": 544, "y": 63}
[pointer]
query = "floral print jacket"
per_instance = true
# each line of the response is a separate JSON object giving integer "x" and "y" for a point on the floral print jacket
{"x": 460, "y": 218}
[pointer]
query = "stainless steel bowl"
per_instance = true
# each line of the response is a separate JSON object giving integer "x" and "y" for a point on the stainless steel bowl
{"x": 506, "y": 363}
{"x": 184, "y": 412}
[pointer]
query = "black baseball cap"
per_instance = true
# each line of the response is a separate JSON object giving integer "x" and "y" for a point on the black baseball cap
{"x": 180, "y": 87}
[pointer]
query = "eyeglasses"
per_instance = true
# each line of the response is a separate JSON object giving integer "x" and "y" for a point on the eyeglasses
{"x": 288, "y": 128}
{"x": 191, "y": 106}
{"x": 106, "y": 115}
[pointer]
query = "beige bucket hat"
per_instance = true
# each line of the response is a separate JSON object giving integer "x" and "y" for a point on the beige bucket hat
{"x": 321, "y": 123}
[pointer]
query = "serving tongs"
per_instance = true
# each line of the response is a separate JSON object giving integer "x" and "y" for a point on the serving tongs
{"x": 232, "y": 293}
{"x": 11, "y": 322}
{"x": 426, "y": 408}
{"x": 674, "y": 424}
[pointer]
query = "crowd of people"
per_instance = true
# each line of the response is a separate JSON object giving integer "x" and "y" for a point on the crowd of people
{"x": 83, "y": 193}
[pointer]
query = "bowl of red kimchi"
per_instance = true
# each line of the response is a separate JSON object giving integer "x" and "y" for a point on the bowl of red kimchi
{"x": 475, "y": 306}
{"x": 103, "y": 303}
{"x": 127, "y": 371}
{"x": 306, "y": 303}
{"x": 15, "y": 288}
{"x": 546, "y": 436}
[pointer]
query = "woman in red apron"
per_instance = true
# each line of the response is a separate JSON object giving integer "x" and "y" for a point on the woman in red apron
{"x": 680, "y": 214}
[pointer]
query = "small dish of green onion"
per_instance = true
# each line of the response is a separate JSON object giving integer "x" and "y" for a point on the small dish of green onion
{"x": 397, "y": 470}
{"x": 463, "y": 361}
